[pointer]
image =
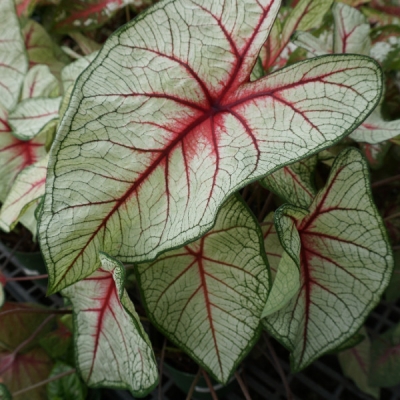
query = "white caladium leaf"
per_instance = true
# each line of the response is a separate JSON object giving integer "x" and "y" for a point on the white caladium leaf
{"x": 13, "y": 60}
{"x": 41, "y": 49}
{"x": 355, "y": 363}
{"x": 351, "y": 34}
{"x": 207, "y": 297}
{"x": 294, "y": 183}
{"x": 376, "y": 130}
{"x": 87, "y": 45}
{"x": 15, "y": 154}
{"x": 272, "y": 244}
{"x": 345, "y": 263}
{"x": 28, "y": 186}
{"x": 148, "y": 155}
{"x": 312, "y": 44}
{"x": 40, "y": 82}
{"x": 112, "y": 348}
{"x": 32, "y": 115}
{"x": 375, "y": 153}
{"x": 306, "y": 15}
{"x": 70, "y": 72}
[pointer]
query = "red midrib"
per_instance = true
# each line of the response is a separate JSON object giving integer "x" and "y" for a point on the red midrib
{"x": 203, "y": 279}
{"x": 99, "y": 325}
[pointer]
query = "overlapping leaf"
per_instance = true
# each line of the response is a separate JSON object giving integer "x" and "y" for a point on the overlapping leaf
{"x": 158, "y": 134}
{"x": 345, "y": 263}
{"x": 385, "y": 359}
{"x": 13, "y": 61}
{"x": 40, "y": 82}
{"x": 355, "y": 363}
{"x": 112, "y": 347}
{"x": 375, "y": 153}
{"x": 15, "y": 154}
{"x": 208, "y": 296}
{"x": 28, "y": 186}
{"x": 31, "y": 115}
{"x": 294, "y": 183}
{"x": 41, "y": 49}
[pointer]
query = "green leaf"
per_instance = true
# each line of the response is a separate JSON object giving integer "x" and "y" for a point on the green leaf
{"x": 87, "y": 45}
{"x": 356, "y": 363}
{"x": 69, "y": 387}
{"x": 111, "y": 346}
{"x": 207, "y": 297}
{"x": 294, "y": 183}
{"x": 351, "y": 34}
{"x": 28, "y": 187}
{"x": 19, "y": 371}
{"x": 4, "y": 393}
{"x": 41, "y": 49}
{"x": 385, "y": 359}
{"x": 375, "y": 153}
{"x": 345, "y": 263}
{"x": 392, "y": 292}
{"x": 13, "y": 61}
{"x": 32, "y": 115}
{"x": 40, "y": 82}
{"x": 150, "y": 155}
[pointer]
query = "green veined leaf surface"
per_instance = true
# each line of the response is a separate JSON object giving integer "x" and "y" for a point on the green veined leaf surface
{"x": 207, "y": 297}
{"x": 32, "y": 115}
{"x": 345, "y": 263}
{"x": 351, "y": 34}
{"x": 40, "y": 82}
{"x": 15, "y": 154}
{"x": 13, "y": 61}
{"x": 112, "y": 348}
{"x": 158, "y": 134}
{"x": 294, "y": 183}
{"x": 28, "y": 186}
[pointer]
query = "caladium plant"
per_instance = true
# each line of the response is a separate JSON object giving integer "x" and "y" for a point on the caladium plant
{"x": 158, "y": 129}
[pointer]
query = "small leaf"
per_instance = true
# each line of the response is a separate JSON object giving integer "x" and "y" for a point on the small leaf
{"x": 345, "y": 263}
{"x": 19, "y": 371}
{"x": 41, "y": 49}
{"x": 376, "y": 130}
{"x": 87, "y": 45}
{"x": 69, "y": 387}
{"x": 112, "y": 347}
{"x": 351, "y": 34}
{"x": 312, "y": 44}
{"x": 385, "y": 359}
{"x": 40, "y": 82}
{"x": 32, "y": 115}
{"x": 294, "y": 183}
{"x": 28, "y": 187}
{"x": 208, "y": 296}
{"x": 84, "y": 14}
{"x": 4, "y": 393}
{"x": 155, "y": 154}
{"x": 13, "y": 61}
{"x": 355, "y": 363}
{"x": 375, "y": 153}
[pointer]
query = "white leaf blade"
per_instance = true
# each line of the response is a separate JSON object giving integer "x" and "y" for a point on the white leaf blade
{"x": 40, "y": 82}
{"x": 112, "y": 348}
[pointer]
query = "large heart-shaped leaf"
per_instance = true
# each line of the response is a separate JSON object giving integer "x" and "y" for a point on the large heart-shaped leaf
{"x": 13, "y": 60}
{"x": 208, "y": 296}
{"x": 15, "y": 154}
{"x": 28, "y": 186}
{"x": 159, "y": 133}
{"x": 112, "y": 348}
{"x": 344, "y": 259}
